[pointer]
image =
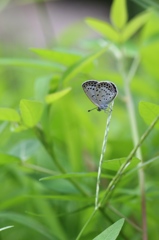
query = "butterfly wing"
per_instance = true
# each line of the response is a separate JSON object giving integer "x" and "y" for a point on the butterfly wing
{"x": 105, "y": 93}
{"x": 89, "y": 88}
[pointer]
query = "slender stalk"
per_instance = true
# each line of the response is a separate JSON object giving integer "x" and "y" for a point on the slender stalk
{"x": 118, "y": 176}
{"x": 123, "y": 216}
{"x": 131, "y": 112}
{"x": 82, "y": 230}
{"x": 102, "y": 155}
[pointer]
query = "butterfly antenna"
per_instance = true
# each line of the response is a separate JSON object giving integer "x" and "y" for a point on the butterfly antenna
{"x": 91, "y": 109}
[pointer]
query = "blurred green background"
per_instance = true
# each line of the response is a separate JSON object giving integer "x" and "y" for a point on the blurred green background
{"x": 47, "y": 47}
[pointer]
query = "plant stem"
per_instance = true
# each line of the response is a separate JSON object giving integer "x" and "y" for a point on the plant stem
{"x": 118, "y": 176}
{"x": 102, "y": 155}
{"x": 120, "y": 172}
{"x": 82, "y": 230}
{"x": 131, "y": 112}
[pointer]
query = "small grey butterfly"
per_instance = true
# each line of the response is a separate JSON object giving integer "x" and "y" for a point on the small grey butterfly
{"x": 100, "y": 93}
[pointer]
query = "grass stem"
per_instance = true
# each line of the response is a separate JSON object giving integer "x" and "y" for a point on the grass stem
{"x": 102, "y": 155}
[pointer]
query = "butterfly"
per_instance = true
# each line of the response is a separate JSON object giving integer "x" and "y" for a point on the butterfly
{"x": 100, "y": 93}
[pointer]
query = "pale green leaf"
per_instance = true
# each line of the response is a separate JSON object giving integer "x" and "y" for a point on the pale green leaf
{"x": 63, "y": 57}
{"x": 115, "y": 164}
{"x": 119, "y": 14}
{"x": 104, "y": 28}
{"x": 50, "y": 98}
{"x": 38, "y": 64}
{"x": 31, "y": 112}
{"x": 9, "y": 114}
{"x": 7, "y": 159}
{"x": 78, "y": 66}
{"x": 134, "y": 25}
{"x": 149, "y": 112}
{"x": 112, "y": 232}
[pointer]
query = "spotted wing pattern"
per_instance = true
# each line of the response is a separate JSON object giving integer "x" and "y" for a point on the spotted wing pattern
{"x": 100, "y": 93}
{"x": 105, "y": 93}
{"x": 89, "y": 88}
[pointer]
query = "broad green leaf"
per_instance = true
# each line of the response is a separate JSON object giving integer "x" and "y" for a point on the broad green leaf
{"x": 50, "y": 98}
{"x": 112, "y": 232}
{"x": 134, "y": 25}
{"x": 151, "y": 27}
{"x": 118, "y": 13}
{"x": 9, "y": 114}
{"x": 142, "y": 165}
{"x": 62, "y": 57}
{"x": 104, "y": 28}
{"x": 31, "y": 112}
{"x": 78, "y": 66}
{"x": 7, "y": 159}
{"x": 4, "y": 228}
{"x": 149, "y": 112}
{"x": 31, "y": 64}
{"x": 115, "y": 164}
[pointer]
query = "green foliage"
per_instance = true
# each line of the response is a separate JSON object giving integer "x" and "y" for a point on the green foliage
{"x": 50, "y": 98}
{"x": 119, "y": 15}
{"x": 50, "y": 145}
{"x": 31, "y": 112}
{"x": 8, "y": 114}
{"x": 112, "y": 232}
{"x": 149, "y": 112}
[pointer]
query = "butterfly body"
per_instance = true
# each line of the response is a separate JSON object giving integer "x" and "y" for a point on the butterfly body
{"x": 100, "y": 93}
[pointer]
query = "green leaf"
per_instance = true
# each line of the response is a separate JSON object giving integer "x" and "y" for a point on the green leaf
{"x": 77, "y": 67}
{"x": 142, "y": 165}
{"x": 112, "y": 232}
{"x": 31, "y": 64}
{"x": 134, "y": 25}
{"x": 42, "y": 85}
{"x": 50, "y": 98}
{"x": 118, "y": 13}
{"x": 9, "y": 114}
{"x": 115, "y": 164}
{"x": 73, "y": 175}
{"x": 103, "y": 28}
{"x": 7, "y": 159}
{"x": 31, "y": 112}
{"x": 63, "y": 57}
{"x": 149, "y": 112}
{"x": 26, "y": 221}
{"x": 65, "y": 197}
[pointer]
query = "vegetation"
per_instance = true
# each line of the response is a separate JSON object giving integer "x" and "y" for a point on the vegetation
{"x": 51, "y": 145}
